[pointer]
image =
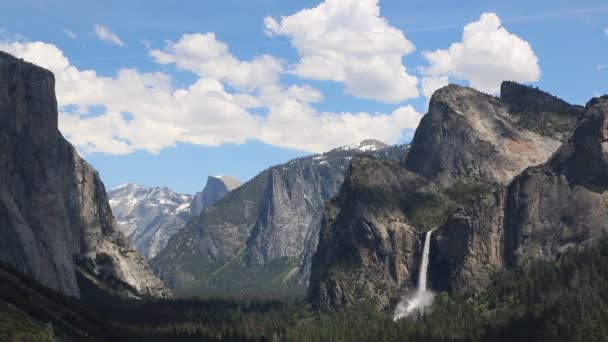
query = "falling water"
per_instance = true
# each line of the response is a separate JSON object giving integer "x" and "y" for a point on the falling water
{"x": 425, "y": 262}
{"x": 422, "y": 298}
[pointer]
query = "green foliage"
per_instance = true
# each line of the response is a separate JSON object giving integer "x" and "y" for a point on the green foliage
{"x": 16, "y": 326}
{"x": 463, "y": 192}
{"x": 561, "y": 300}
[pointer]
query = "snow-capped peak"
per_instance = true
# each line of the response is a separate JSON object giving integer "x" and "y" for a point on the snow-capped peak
{"x": 366, "y": 146}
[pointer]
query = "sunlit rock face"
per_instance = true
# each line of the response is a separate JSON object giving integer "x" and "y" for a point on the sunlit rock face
{"x": 55, "y": 219}
{"x": 149, "y": 216}
{"x": 217, "y": 187}
{"x": 472, "y": 135}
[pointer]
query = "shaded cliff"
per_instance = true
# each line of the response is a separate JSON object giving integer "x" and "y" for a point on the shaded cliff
{"x": 54, "y": 212}
{"x": 368, "y": 243}
{"x": 563, "y": 203}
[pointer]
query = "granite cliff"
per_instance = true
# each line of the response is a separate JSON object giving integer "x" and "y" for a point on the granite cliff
{"x": 55, "y": 220}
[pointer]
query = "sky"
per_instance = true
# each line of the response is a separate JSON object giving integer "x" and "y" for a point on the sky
{"x": 165, "y": 93}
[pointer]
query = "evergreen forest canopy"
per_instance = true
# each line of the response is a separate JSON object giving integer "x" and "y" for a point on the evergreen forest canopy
{"x": 561, "y": 300}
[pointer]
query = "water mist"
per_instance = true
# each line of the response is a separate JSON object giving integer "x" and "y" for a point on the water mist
{"x": 422, "y": 298}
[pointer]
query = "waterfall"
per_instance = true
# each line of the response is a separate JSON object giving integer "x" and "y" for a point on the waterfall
{"x": 424, "y": 265}
{"x": 421, "y": 298}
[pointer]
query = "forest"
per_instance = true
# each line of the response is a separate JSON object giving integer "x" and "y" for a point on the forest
{"x": 561, "y": 300}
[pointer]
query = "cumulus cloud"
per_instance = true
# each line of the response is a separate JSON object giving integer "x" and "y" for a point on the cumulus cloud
{"x": 487, "y": 55}
{"x": 208, "y": 57}
{"x": 145, "y": 111}
{"x": 104, "y": 33}
{"x": 348, "y": 41}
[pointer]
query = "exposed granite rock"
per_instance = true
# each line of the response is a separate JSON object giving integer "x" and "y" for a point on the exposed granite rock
{"x": 263, "y": 234}
{"x": 368, "y": 248}
{"x": 149, "y": 216}
{"x": 53, "y": 206}
{"x": 535, "y": 110}
{"x": 216, "y": 188}
{"x": 563, "y": 203}
{"x": 546, "y": 209}
{"x": 469, "y": 247}
{"x": 471, "y": 135}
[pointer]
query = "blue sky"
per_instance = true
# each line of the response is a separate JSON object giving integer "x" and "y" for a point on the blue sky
{"x": 300, "y": 105}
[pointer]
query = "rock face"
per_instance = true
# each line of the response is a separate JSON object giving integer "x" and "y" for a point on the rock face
{"x": 149, "y": 216}
{"x": 467, "y": 149}
{"x": 538, "y": 111}
{"x": 471, "y": 135}
{"x": 563, "y": 203}
{"x": 54, "y": 212}
{"x": 367, "y": 244}
{"x": 263, "y": 234}
{"x": 547, "y": 208}
{"x": 470, "y": 246}
{"x": 217, "y": 187}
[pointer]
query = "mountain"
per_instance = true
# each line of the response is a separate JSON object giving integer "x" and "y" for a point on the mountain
{"x": 472, "y": 135}
{"x": 465, "y": 153}
{"x": 262, "y": 235}
{"x": 54, "y": 212}
{"x": 149, "y": 216}
{"x": 217, "y": 187}
{"x": 544, "y": 211}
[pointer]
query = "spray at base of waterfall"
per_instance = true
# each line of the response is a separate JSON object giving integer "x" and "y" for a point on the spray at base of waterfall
{"x": 416, "y": 302}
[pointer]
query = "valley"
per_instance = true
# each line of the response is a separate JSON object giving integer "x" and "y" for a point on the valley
{"x": 491, "y": 224}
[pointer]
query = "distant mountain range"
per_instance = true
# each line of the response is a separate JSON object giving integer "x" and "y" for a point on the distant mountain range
{"x": 150, "y": 216}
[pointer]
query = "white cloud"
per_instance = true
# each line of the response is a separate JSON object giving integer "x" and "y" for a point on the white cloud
{"x": 70, "y": 33}
{"x": 208, "y": 57}
{"x": 104, "y": 33}
{"x": 145, "y": 111}
{"x": 600, "y": 67}
{"x": 431, "y": 84}
{"x": 487, "y": 55}
{"x": 348, "y": 41}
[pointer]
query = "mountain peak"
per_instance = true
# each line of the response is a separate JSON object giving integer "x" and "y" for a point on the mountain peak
{"x": 366, "y": 145}
{"x": 216, "y": 188}
{"x": 229, "y": 182}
